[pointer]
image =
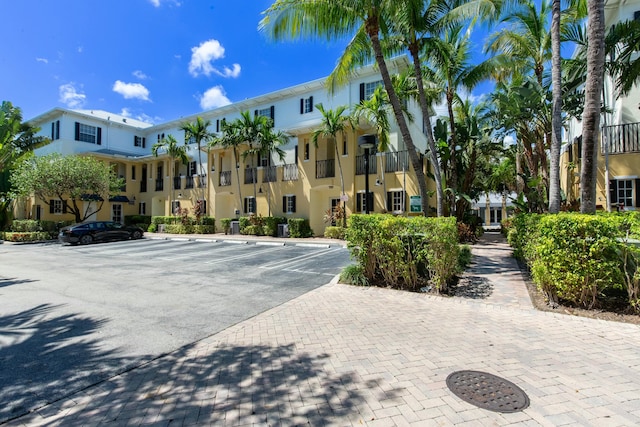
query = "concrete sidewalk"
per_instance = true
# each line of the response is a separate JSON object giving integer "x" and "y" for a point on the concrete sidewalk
{"x": 349, "y": 356}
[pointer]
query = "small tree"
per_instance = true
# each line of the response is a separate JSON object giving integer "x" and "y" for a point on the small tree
{"x": 70, "y": 179}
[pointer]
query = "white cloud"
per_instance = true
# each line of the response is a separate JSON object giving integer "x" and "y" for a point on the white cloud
{"x": 71, "y": 96}
{"x": 44, "y": 60}
{"x": 131, "y": 90}
{"x": 214, "y": 98}
{"x": 158, "y": 3}
{"x": 203, "y": 56}
{"x": 125, "y": 112}
{"x": 140, "y": 75}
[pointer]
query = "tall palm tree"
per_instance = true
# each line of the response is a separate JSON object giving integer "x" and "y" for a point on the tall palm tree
{"x": 198, "y": 131}
{"x": 230, "y": 138}
{"x": 591, "y": 116}
{"x": 363, "y": 20}
{"x": 556, "y": 120}
{"x": 271, "y": 142}
{"x": 251, "y": 130}
{"x": 175, "y": 151}
{"x": 333, "y": 123}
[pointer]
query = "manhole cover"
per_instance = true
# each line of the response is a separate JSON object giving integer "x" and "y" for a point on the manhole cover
{"x": 487, "y": 391}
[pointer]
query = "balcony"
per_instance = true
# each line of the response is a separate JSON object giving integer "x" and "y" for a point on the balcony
{"x": 159, "y": 184}
{"x": 189, "y": 182}
{"x": 177, "y": 182}
{"x": 621, "y": 138}
{"x": 290, "y": 172}
{"x": 143, "y": 186}
{"x": 396, "y": 161}
{"x": 225, "y": 178}
{"x": 373, "y": 165}
{"x": 250, "y": 175}
{"x": 325, "y": 168}
{"x": 269, "y": 174}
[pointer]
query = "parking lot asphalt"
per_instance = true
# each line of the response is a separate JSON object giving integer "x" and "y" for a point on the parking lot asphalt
{"x": 343, "y": 355}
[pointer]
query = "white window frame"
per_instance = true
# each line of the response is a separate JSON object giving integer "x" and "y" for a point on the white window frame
{"x": 361, "y": 196}
{"x": 142, "y": 208}
{"x": 266, "y": 112}
{"x": 116, "y": 213}
{"x": 308, "y": 105}
{"x": 370, "y": 87}
{"x": 252, "y": 206}
{"x": 58, "y": 207}
{"x": 290, "y": 202}
{"x": 624, "y": 186}
{"x": 397, "y": 201}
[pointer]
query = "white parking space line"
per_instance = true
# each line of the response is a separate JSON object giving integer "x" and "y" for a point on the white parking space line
{"x": 241, "y": 256}
{"x": 293, "y": 261}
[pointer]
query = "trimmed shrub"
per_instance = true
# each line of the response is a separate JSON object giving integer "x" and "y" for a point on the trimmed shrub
{"x": 141, "y": 221}
{"x": 178, "y": 228}
{"x": 226, "y": 225}
{"x": 152, "y": 228}
{"x": 271, "y": 223}
{"x": 33, "y": 236}
{"x": 204, "y": 229}
{"x": 253, "y": 230}
{"x": 299, "y": 227}
{"x": 353, "y": 274}
{"x": 333, "y": 232}
{"x": 25, "y": 225}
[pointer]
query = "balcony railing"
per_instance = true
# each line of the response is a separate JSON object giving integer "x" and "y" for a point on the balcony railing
{"x": 202, "y": 181}
{"x": 396, "y": 161}
{"x": 290, "y": 172}
{"x": 621, "y": 138}
{"x": 189, "y": 182}
{"x": 159, "y": 184}
{"x": 177, "y": 182}
{"x": 225, "y": 178}
{"x": 373, "y": 164}
{"x": 250, "y": 175}
{"x": 269, "y": 174}
{"x": 325, "y": 168}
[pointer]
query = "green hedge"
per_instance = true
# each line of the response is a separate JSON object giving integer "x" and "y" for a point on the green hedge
{"x": 138, "y": 220}
{"x": 299, "y": 227}
{"x": 25, "y": 225}
{"x": 402, "y": 252}
{"x": 580, "y": 258}
{"x": 333, "y": 232}
{"x": 34, "y": 236}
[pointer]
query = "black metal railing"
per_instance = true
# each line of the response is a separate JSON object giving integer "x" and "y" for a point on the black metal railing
{"x": 325, "y": 168}
{"x": 188, "y": 182}
{"x": 269, "y": 174}
{"x": 620, "y": 139}
{"x": 290, "y": 172}
{"x": 250, "y": 175}
{"x": 396, "y": 161}
{"x": 177, "y": 182}
{"x": 360, "y": 167}
{"x": 225, "y": 178}
{"x": 159, "y": 184}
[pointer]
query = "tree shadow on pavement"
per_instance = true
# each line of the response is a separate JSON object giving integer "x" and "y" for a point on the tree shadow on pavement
{"x": 44, "y": 356}
{"x": 229, "y": 384}
{"x": 10, "y": 281}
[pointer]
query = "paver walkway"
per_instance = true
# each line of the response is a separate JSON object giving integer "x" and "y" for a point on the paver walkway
{"x": 349, "y": 356}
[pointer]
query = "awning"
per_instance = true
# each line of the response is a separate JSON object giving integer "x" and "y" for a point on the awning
{"x": 119, "y": 199}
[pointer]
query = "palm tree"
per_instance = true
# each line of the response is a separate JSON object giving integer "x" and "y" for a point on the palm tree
{"x": 198, "y": 131}
{"x": 556, "y": 120}
{"x": 591, "y": 116}
{"x": 230, "y": 139}
{"x": 270, "y": 143}
{"x": 175, "y": 152}
{"x": 364, "y": 21}
{"x": 333, "y": 123}
{"x": 251, "y": 130}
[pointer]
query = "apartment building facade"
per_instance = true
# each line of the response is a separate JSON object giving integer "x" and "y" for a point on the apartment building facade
{"x": 618, "y": 178}
{"x": 306, "y": 183}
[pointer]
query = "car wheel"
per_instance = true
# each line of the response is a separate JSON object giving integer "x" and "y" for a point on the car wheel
{"x": 136, "y": 235}
{"x": 86, "y": 239}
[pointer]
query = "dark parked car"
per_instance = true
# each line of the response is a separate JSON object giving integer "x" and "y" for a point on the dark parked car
{"x": 97, "y": 231}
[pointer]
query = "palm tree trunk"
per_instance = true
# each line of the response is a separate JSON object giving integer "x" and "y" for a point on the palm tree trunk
{"x": 344, "y": 210}
{"x": 235, "y": 157}
{"x": 556, "y": 119}
{"x": 372, "y": 31}
{"x": 417, "y": 70}
{"x": 453, "y": 174}
{"x": 591, "y": 115}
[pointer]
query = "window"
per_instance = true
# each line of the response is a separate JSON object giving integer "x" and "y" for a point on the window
{"x": 116, "y": 213}
{"x": 345, "y": 145}
{"x": 624, "y": 192}
{"x": 395, "y": 201}
{"x": 139, "y": 141}
{"x": 360, "y": 202}
{"x": 267, "y": 112}
{"x": 133, "y": 172}
{"x": 306, "y": 149}
{"x": 55, "y": 130}
{"x": 250, "y": 205}
{"x": 288, "y": 203}
{"x": 175, "y": 206}
{"x": 306, "y": 105}
{"x": 56, "y": 207}
{"x": 86, "y": 133}
{"x": 366, "y": 89}
{"x": 142, "y": 208}
{"x": 192, "y": 166}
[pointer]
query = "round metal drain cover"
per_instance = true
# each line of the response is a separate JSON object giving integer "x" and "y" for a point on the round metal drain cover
{"x": 487, "y": 391}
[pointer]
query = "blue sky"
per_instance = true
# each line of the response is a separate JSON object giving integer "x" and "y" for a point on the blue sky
{"x": 153, "y": 60}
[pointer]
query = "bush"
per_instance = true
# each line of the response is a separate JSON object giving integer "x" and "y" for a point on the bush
{"x": 157, "y": 220}
{"x": 299, "y": 227}
{"x": 152, "y": 228}
{"x": 178, "y": 228}
{"x": 207, "y": 220}
{"x": 353, "y": 274}
{"x": 204, "y": 229}
{"x": 25, "y": 225}
{"x": 401, "y": 252}
{"x": 464, "y": 258}
{"x": 332, "y": 232}
{"x": 226, "y": 225}
{"x": 34, "y": 236}
{"x": 141, "y": 221}
{"x": 271, "y": 223}
{"x": 253, "y": 230}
